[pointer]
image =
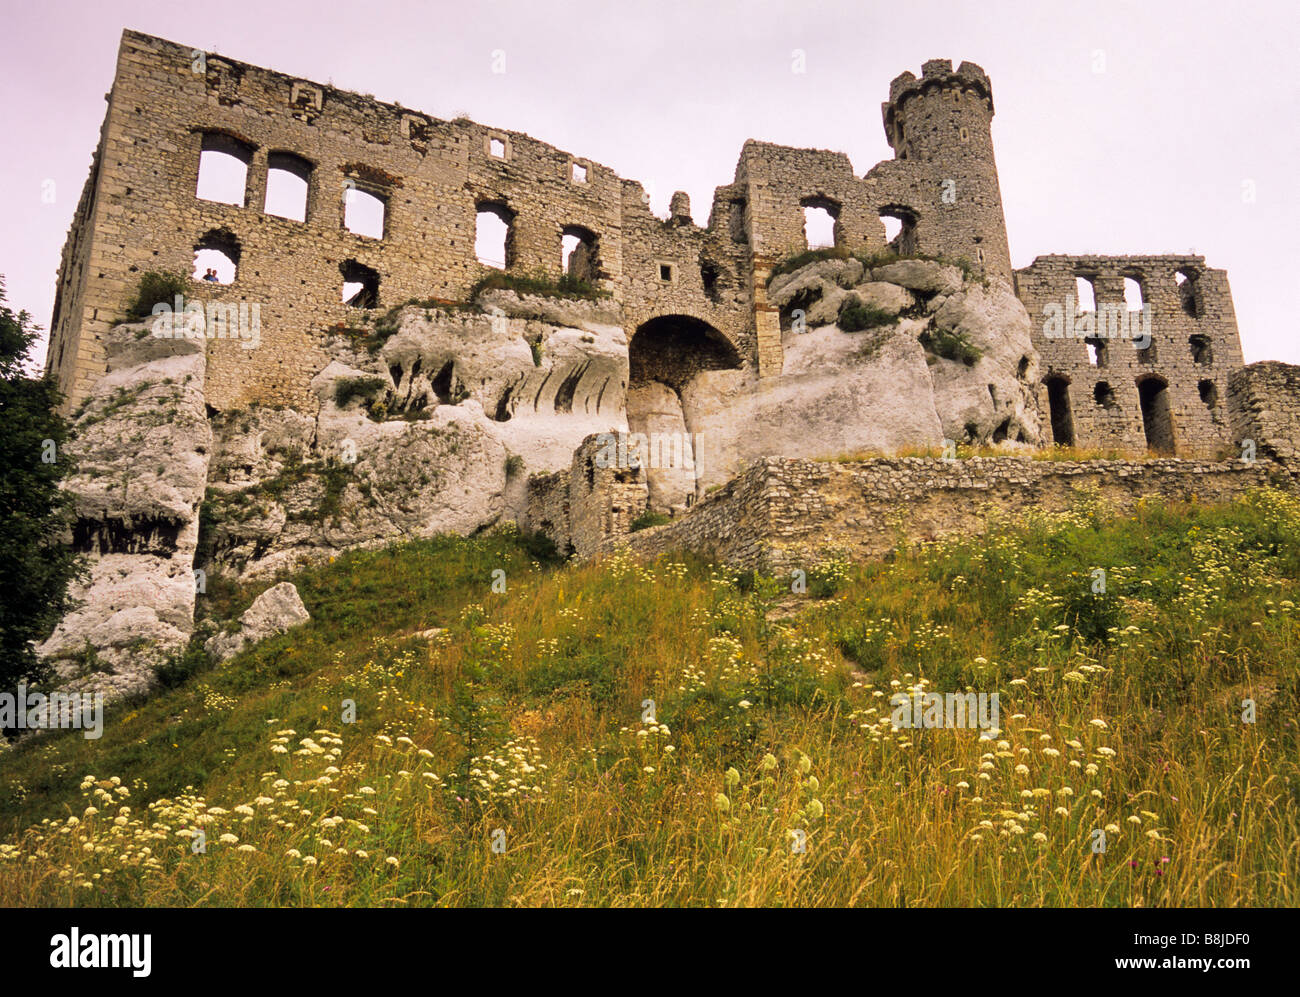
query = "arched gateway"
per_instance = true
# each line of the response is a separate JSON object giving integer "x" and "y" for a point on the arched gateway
{"x": 666, "y": 353}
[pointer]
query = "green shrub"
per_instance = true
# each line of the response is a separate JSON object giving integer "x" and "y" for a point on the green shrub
{"x": 183, "y": 665}
{"x": 951, "y": 346}
{"x": 539, "y": 284}
{"x": 648, "y": 519}
{"x": 156, "y": 287}
{"x": 855, "y": 316}
{"x": 584, "y": 673}
{"x": 370, "y": 390}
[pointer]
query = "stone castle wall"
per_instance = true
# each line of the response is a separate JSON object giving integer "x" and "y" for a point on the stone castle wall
{"x": 595, "y": 498}
{"x": 1264, "y": 409}
{"x": 783, "y": 514}
{"x": 169, "y": 103}
{"x": 1194, "y": 348}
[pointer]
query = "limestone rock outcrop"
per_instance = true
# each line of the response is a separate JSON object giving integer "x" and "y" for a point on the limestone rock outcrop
{"x": 946, "y": 358}
{"x": 276, "y": 611}
{"x": 437, "y": 419}
{"x": 142, "y": 444}
{"x": 433, "y": 427}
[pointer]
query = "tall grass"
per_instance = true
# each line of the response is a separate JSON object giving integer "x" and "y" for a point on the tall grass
{"x": 516, "y": 757}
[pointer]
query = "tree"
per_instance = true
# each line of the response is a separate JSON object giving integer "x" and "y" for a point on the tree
{"x": 36, "y": 562}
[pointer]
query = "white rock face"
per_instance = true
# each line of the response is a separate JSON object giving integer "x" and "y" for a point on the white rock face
{"x": 435, "y": 422}
{"x": 458, "y": 396}
{"x": 991, "y": 401}
{"x": 655, "y": 410}
{"x": 361, "y": 483}
{"x": 544, "y": 384}
{"x": 922, "y": 276}
{"x": 875, "y": 390}
{"x": 142, "y": 444}
{"x": 840, "y": 393}
{"x": 275, "y": 611}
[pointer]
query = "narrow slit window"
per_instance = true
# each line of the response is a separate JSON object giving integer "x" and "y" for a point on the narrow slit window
{"x": 580, "y": 254}
{"x": 1133, "y": 294}
{"x": 1085, "y": 294}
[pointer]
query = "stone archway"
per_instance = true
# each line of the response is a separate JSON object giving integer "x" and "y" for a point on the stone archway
{"x": 666, "y": 353}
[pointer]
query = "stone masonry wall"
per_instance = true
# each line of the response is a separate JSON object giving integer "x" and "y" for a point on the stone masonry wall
{"x": 1194, "y": 347}
{"x": 596, "y": 498}
{"x": 943, "y": 180}
{"x": 169, "y": 103}
{"x": 783, "y": 514}
{"x": 1264, "y": 402}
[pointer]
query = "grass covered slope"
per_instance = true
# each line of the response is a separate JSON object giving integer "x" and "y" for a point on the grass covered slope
{"x": 514, "y": 759}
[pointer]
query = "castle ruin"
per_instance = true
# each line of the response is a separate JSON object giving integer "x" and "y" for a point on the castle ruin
{"x": 452, "y": 407}
{"x": 682, "y": 287}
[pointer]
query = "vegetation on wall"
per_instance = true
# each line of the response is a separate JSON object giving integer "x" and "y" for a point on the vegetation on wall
{"x": 156, "y": 287}
{"x": 541, "y": 284}
{"x": 950, "y": 345}
{"x": 855, "y": 315}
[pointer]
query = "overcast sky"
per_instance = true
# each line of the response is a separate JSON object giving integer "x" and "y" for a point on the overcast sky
{"x": 1146, "y": 127}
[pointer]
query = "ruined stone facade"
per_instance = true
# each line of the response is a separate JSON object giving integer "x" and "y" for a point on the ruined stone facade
{"x": 389, "y": 392}
{"x": 1110, "y": 390}
{"x": 689, "y": 295}
{"x": 170, "y": 104}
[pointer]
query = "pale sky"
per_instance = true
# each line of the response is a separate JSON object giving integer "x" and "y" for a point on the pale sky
{"x": 1148, "y": 127}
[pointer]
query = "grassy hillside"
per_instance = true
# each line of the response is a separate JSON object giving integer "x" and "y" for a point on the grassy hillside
{"x": 510, "y": 759}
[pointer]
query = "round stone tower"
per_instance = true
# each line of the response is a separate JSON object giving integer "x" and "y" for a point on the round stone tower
{"x": 939, "y": 127}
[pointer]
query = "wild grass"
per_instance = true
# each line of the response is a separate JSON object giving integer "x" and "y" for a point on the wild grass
{"x": 515, "y": 757}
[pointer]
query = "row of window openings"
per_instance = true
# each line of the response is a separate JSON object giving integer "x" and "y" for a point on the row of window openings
{"x": 223, "y": 178}
{"x": 1199, "y": 345}
{"x": 1153, "y": 401}
{"x": 1104, "y": 395}
{"x": 1085, "y": 294}
{"x": 493, "y": 237}
{"x": 216, "y": 258}
{"x": 578, "y": 171}
{"x": 819, "y": 227}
